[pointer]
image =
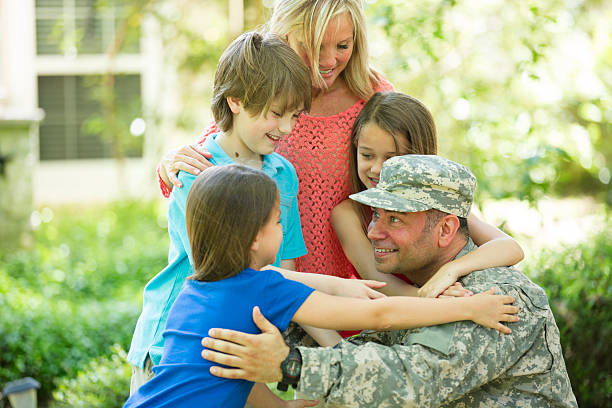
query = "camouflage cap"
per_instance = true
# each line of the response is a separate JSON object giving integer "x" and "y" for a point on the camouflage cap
{"x": 413, "y": 183}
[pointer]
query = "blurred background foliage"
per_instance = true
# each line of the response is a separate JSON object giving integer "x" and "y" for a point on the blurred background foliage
{"x": 521, "y": 93}
{"x": 78, "y": 291}
{"x": 578, "y": 282}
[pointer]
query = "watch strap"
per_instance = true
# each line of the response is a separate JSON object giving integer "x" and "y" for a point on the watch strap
{"x": 291, "y": 368}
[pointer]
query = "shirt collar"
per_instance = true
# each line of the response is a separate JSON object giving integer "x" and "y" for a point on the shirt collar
{"x": 471, "y": 277}
{"x": 271, "y": 162}
{"x": 467, "y": 248}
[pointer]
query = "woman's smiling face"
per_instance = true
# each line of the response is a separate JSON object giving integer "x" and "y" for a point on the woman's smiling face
{"x": 335, "y": 51}
{"x": 374, "y": 146}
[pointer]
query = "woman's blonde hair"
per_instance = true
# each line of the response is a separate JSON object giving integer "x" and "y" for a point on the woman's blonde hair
{"x": 309, "y": 20}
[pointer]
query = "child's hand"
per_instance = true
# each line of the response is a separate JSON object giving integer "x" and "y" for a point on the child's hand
{"x": 441, "y": 281}
{"x": 456, "y": 290}
{"x": 489, "y": 310}
{"x": 300, "y": 403}
{"x": 357, "y": 288}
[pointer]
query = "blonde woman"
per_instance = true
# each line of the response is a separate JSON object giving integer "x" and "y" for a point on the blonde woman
{"x": 330, "y": 37}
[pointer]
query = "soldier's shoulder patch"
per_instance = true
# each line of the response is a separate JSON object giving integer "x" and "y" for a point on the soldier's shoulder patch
{"x": 439, "y": 338}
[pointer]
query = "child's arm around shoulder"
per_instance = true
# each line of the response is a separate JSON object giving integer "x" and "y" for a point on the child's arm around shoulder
{"x": 323, "y": 337}
{"x": 358, "y": 250}
{"x": 485, "y": 235}
{"x": 364, "y": 289}
{"x": 495, "y": 248}
{"x": 403, "y": 312}
{"x": 181, "y": 193}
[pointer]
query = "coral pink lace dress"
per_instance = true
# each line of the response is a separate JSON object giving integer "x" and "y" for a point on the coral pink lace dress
{"x": 318, "y": 147}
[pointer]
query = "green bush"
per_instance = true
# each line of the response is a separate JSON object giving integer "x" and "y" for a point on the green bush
{"x": 52, "y": 339}
{"x": 103, "y": 383}
{"x": 578, "y": 281}
{"x": 78, "y": 290}
{"x": 482, "y": 110}
{"x": 93, "y": 253}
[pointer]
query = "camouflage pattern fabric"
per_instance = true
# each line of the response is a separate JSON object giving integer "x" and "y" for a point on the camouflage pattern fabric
{"x": 414, "y": 183}
{"x": 453, "y": 365}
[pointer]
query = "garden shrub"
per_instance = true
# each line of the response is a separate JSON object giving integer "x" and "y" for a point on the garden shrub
{"x": 93, "y": 253}
{"x": 78, "y": 290}
{"x": 103, "y": 383}
{"x": 56, "y": 339}
{"x": 578, "y": 281}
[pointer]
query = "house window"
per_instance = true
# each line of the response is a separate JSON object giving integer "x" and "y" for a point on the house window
{"x": 72, "y": 37}
{"x": 74, "y": 121}
{"x": 81, "y": 27}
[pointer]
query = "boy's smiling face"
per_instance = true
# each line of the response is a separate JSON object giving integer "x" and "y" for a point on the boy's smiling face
{"x": 259, "y": 134}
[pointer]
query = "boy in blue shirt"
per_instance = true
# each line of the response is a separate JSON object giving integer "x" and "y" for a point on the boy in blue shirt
{"x": 260, "y": 88}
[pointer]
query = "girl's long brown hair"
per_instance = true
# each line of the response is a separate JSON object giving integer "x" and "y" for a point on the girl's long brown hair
{"x": 226, "y": 208}
{"x": 400, "y": 115}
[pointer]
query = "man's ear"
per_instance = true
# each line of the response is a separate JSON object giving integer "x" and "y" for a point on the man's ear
{"x": 234, "y": 104}
{"x": 448, "y": 226}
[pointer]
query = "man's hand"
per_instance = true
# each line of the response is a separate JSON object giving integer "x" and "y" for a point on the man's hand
{"x": 256, "y": 357}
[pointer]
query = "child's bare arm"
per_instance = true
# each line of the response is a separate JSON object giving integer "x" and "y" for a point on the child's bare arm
{"x": 495, "y": 248}
{"x": 333, "y": 285}
{"x": 397, "y": 312}
{"x": 508, "y": 251}
{"x": 262, "y": 397}
{"x": 358, "y": 250}
{"x": 323, "y": 337}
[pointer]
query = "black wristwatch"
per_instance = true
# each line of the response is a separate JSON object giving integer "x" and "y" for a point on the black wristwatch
{"x": 291, "y": 368}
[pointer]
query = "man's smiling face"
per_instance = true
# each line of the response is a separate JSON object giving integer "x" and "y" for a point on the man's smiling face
{"x": 402, "y": 242}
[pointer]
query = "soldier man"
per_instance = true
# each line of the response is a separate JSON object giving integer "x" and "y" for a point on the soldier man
{"x": 420, "y": 208}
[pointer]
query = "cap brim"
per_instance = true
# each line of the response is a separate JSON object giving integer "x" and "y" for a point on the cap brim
{"x": 378, "y": 198}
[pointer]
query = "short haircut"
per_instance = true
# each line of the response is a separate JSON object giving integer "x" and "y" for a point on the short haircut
{"x": 259, "y": 70}
{"x": 226, "y": 208}
{"x": 434, "y": 216}
{"x": 309, "y": 19}
{"x": 400, "y": 115}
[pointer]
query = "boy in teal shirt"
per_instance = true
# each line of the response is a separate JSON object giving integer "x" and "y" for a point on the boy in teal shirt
{"x": 261, "y": 86}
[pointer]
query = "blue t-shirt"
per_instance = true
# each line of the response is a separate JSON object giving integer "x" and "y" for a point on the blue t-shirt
{"x": 162, "y": 290}
{"x": 182, "y": 379}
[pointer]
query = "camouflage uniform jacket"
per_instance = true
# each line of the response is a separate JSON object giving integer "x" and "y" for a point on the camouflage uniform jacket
{"x": 458, "y": 364}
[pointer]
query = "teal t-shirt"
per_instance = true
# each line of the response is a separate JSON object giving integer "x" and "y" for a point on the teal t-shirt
{"x": 161, "y": 291}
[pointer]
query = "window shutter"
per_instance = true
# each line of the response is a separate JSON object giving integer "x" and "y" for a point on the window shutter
{"x": 69, "y": 104}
